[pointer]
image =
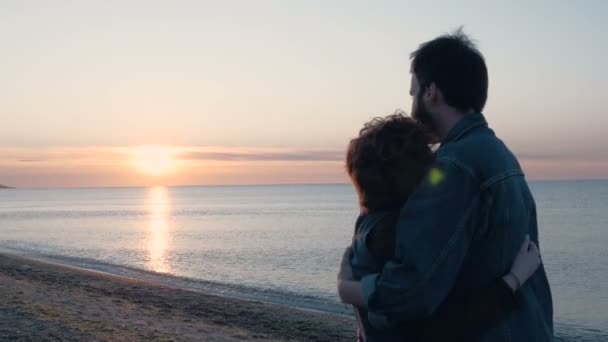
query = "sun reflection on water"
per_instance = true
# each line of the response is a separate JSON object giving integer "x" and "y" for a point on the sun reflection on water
{"x": 158, "y": 228}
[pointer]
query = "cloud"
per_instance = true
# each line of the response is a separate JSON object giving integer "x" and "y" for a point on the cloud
{"x": 31, "y": 160}
{"x": 60, "y": 154}
{"x": 114, "y": 166}
{"x": 542, "y": 156}
{"x": 185, "y": 153}
{"x": 265, "y": 155}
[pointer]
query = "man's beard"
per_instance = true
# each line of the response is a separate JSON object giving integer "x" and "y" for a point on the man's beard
{"x": 424, "y": 117}
{"x": 421, "y": 114}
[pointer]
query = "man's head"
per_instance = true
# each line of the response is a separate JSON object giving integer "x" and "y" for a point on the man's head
{"x": 449, "y": 77}
{"x": 388, "y": 160}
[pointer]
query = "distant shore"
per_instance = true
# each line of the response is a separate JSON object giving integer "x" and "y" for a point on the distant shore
{"x": 40, "y": 300}
{"x": 5, "y": 187}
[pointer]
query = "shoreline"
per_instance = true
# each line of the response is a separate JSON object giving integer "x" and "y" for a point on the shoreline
{"x": 281, "y": 297}
{"x": 41, "y": 299}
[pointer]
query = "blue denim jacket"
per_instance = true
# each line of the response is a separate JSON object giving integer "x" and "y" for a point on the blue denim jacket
{"x": 465, "y": 224}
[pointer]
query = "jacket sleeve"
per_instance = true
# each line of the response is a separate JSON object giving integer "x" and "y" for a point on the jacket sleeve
{"x": 434, "y": 231}
{"x": 381, "y": 239}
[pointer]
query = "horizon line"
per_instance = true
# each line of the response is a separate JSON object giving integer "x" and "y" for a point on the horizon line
{"x": 250, "y": 185}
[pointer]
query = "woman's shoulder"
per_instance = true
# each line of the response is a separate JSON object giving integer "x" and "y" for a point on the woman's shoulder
{"x": 377, "y": 232}
{"x": 376, "y": 218}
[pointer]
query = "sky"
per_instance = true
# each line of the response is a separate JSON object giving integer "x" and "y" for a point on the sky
{"x": 260, "y": 92}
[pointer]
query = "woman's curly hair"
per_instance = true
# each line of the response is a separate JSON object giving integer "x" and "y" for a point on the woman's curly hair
{"x": 388, "y": 160}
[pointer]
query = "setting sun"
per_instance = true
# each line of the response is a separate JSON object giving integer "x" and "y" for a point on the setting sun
{"x": 155, "y": 160}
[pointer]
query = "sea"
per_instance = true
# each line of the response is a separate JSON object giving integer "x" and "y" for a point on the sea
{"x": 282, "y": 243}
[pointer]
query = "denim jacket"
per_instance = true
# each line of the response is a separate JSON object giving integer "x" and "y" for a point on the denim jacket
{"x": 458, "y": 232}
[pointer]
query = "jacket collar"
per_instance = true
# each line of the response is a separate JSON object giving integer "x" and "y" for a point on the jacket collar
{"x": 463, "y": 126}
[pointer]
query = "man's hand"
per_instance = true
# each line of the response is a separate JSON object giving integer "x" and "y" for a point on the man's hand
{"x": 349, "y": 291}
{"x": 346, "y": 271}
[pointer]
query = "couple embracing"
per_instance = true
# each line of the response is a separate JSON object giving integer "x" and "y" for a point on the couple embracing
{"x": 445, "y": 246}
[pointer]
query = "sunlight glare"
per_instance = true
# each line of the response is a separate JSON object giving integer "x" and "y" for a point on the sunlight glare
{"x": 155, "y": 160}
{"x": 158, "y": 229}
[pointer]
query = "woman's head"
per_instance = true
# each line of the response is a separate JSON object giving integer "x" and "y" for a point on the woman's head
{"x": 387, "y": 160}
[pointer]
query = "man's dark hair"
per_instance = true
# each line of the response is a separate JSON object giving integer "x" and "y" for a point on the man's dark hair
{"x": 457, "y": 68}
{"x": 388, "y": 160}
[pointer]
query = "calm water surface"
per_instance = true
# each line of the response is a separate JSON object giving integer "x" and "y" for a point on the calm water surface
{"x": 283, "y": 242}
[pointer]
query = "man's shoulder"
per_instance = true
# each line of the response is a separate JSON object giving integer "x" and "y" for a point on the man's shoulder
{"x": 475, "y": 140}
{"x": 482, "y": 153}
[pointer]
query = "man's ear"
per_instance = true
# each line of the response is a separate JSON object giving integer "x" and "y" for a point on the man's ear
{"x": 433, "y": 95}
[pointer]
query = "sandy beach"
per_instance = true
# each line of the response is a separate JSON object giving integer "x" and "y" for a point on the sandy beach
{"x": 41, "y": 301}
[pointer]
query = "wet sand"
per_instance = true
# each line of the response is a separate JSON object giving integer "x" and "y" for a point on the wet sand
{"x": 41, "y": 301}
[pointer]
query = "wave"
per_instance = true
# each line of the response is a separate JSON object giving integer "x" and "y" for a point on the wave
{"x": 144, "y": 213}
{"x": 271, "y": 296}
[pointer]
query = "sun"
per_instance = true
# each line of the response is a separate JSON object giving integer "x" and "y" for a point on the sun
{"x": 155, "y": 160}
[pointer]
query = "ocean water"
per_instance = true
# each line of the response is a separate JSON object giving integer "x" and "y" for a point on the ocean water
{"x": 282, "y": 243}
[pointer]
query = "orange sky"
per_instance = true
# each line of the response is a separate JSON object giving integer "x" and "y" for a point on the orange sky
{"x": 272, "y": 92}
{"x": 122, "y": 166}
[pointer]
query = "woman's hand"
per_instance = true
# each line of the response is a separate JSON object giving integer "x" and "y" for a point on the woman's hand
{"x": 526, "y": 263}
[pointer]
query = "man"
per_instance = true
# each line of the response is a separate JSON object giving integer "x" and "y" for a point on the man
{"x": 462, "y": 227}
